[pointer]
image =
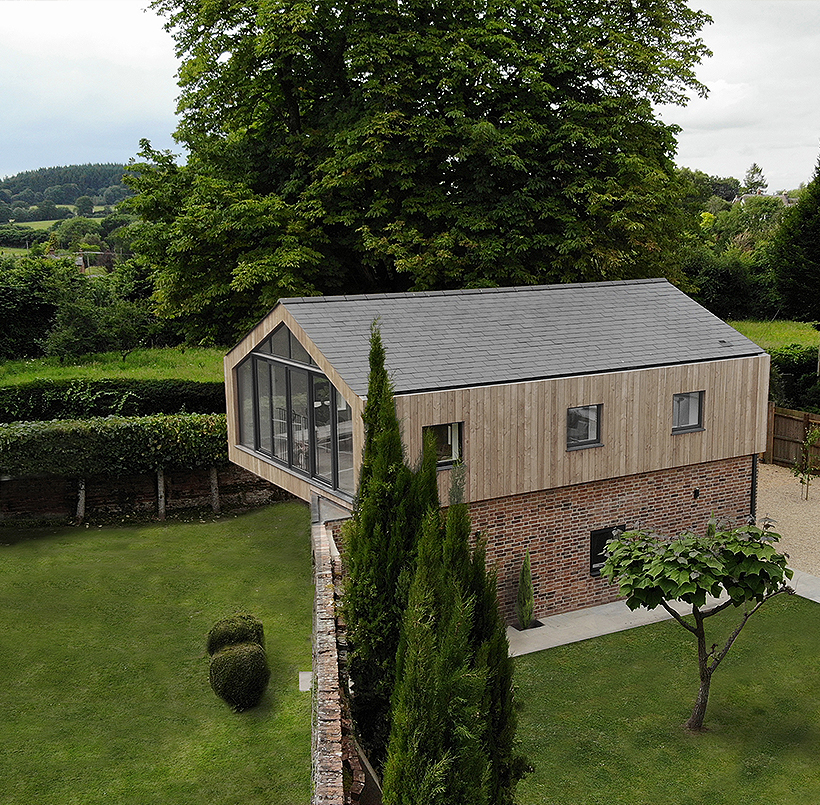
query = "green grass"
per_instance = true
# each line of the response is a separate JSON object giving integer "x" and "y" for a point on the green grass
{"x": 40, "y": 224}
{"x": 601, "y": 720}
{"x": 105, "y": 695}
{"x": 147, "y": 364}
{"x": 775, "y": 334}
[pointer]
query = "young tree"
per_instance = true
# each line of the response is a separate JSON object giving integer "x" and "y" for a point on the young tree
{"x": 380, "y": 545}
{"x": 740, "y": 562}
{"x": 363, "y": 145}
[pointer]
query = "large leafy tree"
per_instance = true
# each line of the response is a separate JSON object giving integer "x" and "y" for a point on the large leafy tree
{"x": 740, "y": 564}
{"x": 351, "y": 145}
{"x": 795, "y": 255}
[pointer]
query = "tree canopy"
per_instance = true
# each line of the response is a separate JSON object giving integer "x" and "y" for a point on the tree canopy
{"x": 381, "y": 145}
{"x": 740, "y": 564}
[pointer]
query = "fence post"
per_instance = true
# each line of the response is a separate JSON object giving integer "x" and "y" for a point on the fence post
{"x": 214, "y": 489}
{"x": 80, "y": 500}
{"x": 769, "y": 454}
{"x": 161, "y": 493}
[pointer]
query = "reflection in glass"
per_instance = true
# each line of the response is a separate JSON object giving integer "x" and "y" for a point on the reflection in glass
{"x": 280, "y": 412}
{"x": 322, "y": 428}
{"x": 300, "y": 422}
{"x": 264, "y": 406}
{"x": 244, "y": 393}
{"x": 344, "y": 444}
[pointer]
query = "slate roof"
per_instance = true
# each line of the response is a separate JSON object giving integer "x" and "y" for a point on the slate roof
{"x": 452, "y": 339}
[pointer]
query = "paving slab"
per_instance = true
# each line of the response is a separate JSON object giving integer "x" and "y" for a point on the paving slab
{"x": 583, "y": 624}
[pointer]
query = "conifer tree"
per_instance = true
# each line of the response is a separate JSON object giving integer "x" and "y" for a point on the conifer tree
{"x": 436, "y": 754}
{"x": 452, "y": 698}
{"x": 380, "y": 556}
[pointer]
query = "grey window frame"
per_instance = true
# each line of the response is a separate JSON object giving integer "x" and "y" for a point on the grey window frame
{"x": 586, "y": 443}
{"x": 458, "y": 441}
{"x": 292, "y": 461}
{"x": 689, "y": 428}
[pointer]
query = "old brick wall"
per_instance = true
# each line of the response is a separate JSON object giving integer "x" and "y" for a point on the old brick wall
{"x": 107, "y": 497}
{"x": 555, "y": 525}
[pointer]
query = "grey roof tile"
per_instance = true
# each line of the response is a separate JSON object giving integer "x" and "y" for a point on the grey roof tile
{"x": 452, "y": 339}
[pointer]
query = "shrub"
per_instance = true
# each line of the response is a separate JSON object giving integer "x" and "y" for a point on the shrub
{"x": 525, "y": 601}
{"x": 239, "y": 675}
{"x": 80, "y": 399}
{"x": 239, "y": 628}
{"x": 114, "y": 445}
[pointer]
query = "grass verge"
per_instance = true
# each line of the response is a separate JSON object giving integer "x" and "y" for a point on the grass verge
{"x": 105, "y": 695}
{"x": 775, "y": 334}
{"x": 601, "y": 720}
{"x": 190, "y": 363}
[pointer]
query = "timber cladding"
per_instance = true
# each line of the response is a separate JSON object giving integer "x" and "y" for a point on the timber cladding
{"x": 555, "y": 525}
{"x": 515, "y": 434}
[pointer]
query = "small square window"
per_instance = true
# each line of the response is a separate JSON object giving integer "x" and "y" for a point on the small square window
{"x": 584, "y": 426}
{"x": 447, "y": 440}
{"x": 687, "y": 411}
{"x": 597, "y": 547}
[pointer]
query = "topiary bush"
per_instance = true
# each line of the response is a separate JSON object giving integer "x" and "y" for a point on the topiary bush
{"x": 239, "y": 675}
{"x": 239, "y": 628}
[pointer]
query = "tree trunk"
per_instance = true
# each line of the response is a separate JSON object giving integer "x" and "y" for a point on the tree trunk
{"x": 214, "y": 490}
{"x": 161, "y": 493}
{"x": 695, "y": 722}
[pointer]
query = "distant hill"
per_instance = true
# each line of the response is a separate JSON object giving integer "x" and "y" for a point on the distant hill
{"x": 93, "y": 177}
{"x": 34, "y": 195}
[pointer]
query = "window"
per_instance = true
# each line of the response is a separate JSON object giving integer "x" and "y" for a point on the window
{"x": 597, "y": 547}
{"x": 687, "y": 411}
{"x": 448, "y": 441}
{"x": 584, "y": 426}
{"x": 293, "y": 415}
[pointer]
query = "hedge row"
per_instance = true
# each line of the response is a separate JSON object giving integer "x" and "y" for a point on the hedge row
{"x": 112, "y": 445}
{"x": 81, "y": 399}
{"x": 794, "y": 380}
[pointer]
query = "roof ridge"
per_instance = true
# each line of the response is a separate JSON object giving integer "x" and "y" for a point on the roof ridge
{"x": 471, "y": 291}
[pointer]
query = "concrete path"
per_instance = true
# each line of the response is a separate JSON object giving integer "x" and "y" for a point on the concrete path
{"x": 572, "y": 627}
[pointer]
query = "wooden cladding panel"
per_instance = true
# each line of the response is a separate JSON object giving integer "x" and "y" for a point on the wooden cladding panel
{"x": 515, "y": 434}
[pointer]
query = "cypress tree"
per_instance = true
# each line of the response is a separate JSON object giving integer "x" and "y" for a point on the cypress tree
{"x": 453, "y": 698}
{"x": 380, "y": 556}
{"x": 436, "y": 755}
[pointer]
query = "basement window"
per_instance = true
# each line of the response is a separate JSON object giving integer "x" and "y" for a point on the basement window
{"x": 597, "y": 547}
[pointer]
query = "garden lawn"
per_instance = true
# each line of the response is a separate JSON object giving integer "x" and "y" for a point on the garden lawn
{"x": 192, "y": 363}
{"x": 601, "y": 720}
{"x": 776, "y": 334}
{"x": 105, "y": 695}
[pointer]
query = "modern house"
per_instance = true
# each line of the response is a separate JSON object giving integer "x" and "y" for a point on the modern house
{"x": 575, "y": 410}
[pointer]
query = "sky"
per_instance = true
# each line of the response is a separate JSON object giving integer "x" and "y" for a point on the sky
{"x": 85, "y": 80}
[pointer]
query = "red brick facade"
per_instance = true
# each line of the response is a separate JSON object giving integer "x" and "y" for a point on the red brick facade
{"x": 555, "y": 525}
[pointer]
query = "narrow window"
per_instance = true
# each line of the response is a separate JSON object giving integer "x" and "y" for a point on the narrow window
{"x": 447, "y": 439}
{"x": 687, "y": 411}
{"x": 244, "y": 393}
{"x": 597, "y": 547}
{"x": 584, "y": 426}
{"x": 322, "y": 429}
{"x": 344, "y": 444}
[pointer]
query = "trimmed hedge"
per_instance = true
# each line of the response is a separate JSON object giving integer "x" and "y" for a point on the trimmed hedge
{"x": 82, "y": 398}
{"x": 239, "y": 674}
{"x": 239, "y": 628}
{"x": 113, "y": 445}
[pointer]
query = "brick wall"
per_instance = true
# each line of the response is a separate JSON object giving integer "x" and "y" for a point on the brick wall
{"x": 107, "y": 497}
{"x": 555, "y": 525}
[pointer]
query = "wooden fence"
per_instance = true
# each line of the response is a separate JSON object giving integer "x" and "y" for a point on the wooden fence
{"x": 786, "y": 432}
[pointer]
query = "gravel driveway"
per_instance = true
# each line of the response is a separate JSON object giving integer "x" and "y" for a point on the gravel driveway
{"x": 796, "y": 520}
